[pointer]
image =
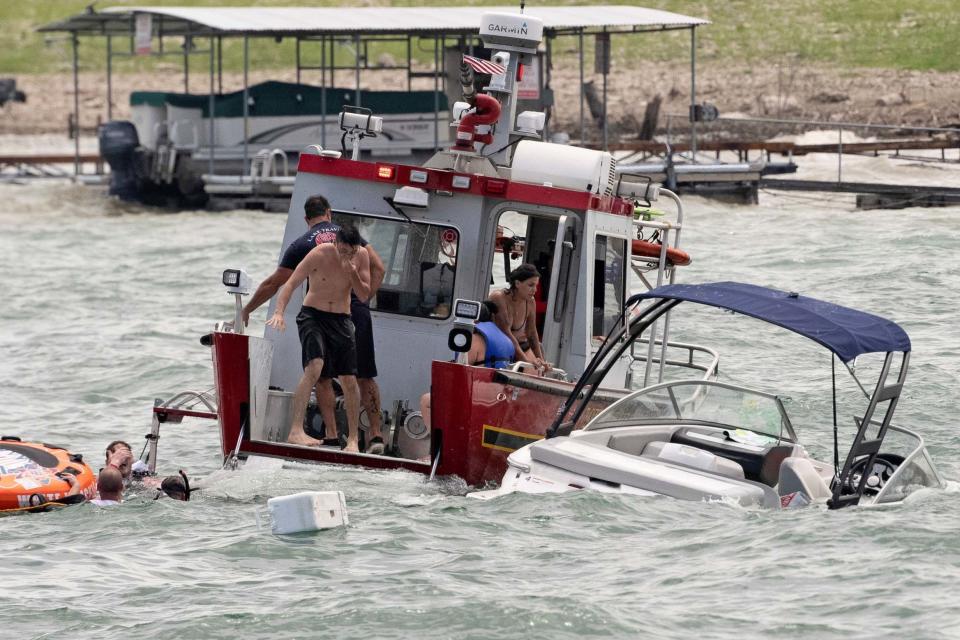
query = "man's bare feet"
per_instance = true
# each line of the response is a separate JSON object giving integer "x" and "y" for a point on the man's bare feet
{"x": 303, "y": 440}
{"x": 352, "y": 446}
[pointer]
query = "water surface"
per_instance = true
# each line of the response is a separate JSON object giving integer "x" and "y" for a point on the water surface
{"x": 102, "y": 309}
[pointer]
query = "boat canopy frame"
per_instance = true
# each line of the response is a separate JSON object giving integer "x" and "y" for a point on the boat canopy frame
{"x": 363, "y": 25}
{"x": 802, "y": 315}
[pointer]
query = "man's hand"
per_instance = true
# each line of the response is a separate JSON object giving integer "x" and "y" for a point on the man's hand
{"x": 277, "y": 322}
{"x": 245, "y": 316}
{"x": 71, "y": 480}
{"x": 346, "y": 262}
{"x": 121, "y": 459}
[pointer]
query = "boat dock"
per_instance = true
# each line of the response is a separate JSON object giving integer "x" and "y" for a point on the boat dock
{"x": 756, "y": 169}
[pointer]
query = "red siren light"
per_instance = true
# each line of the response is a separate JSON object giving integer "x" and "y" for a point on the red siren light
{"x": 386, "y": 171}
{"x": 495, "y": 186}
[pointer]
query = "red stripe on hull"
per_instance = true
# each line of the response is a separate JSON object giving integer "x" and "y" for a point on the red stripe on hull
{"x": 443, "y": 181}
{"x": 330, "y": 456}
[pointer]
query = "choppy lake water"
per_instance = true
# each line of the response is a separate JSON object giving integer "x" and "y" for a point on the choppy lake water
{"x": 102, "y": 308}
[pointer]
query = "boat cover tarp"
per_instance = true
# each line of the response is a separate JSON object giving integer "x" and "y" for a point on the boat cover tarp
{"x": 846, "y": 332}
{"x": 274, "y": 98}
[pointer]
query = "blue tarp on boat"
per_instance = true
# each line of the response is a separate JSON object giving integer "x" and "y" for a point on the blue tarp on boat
{"x": 846, "y": 332}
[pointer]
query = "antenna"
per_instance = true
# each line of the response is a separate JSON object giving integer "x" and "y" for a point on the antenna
{"x": 522, "y": 2}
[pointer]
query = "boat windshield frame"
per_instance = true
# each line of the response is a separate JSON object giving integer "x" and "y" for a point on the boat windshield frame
{"x": 696, "y": 399}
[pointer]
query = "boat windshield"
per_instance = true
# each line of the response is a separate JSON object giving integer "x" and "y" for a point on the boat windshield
{"x": 703, "y": 402}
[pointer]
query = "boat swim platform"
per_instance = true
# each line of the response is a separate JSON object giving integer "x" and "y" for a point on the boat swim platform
{"x": 227, "y": 193}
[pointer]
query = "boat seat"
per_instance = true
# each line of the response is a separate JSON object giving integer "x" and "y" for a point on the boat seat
{"x": 597, "y": 462}
{"x": 800, "y": 474}
{"x": 761, "y": 464}
{"x": 633, "y": 442}
{"x": 693, "y": 457}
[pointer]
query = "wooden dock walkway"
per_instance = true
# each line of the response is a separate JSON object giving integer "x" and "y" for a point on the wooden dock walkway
{"x": 743, "y": 148}
{"x": 873, "y": 195}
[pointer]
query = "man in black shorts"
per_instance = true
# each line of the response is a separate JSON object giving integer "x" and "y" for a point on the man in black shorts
{"x": 326, "y": 331}
{"x": 322, "y": 229}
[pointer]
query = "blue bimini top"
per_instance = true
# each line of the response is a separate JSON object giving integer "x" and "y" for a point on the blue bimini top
{"x": 846, "y": 332}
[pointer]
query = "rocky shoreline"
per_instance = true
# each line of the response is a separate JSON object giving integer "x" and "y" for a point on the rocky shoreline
{"x": 823, "y": 94}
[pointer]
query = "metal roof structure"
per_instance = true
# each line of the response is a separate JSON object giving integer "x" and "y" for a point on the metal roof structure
{"x": 330, "y": 26}
{"x": 277, "y": 21}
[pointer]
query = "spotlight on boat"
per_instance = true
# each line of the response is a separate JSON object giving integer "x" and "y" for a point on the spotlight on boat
{"x": 360, "y": 120}
{"x": 358, "y": 123}
{"x": 411, "y": 197}
{"x": 237, "y": 282}
{"x": 531, "y": 123}
{"x": 460, "y": 108}
{"x": 465, "y": 315}
{"x": 466, "y": 310}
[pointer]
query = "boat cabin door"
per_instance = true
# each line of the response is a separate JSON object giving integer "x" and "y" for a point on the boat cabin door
{"x": 546, "y": 242}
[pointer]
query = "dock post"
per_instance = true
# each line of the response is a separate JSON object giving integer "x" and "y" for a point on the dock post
{"x": 246, "y": 103}
{"x": 323, "y": 90}
{"x": 109, "y": 78}
{"x": 436, "y": 95}
{"x": 839, "y": 154}
{"x": 580, "y": 48}
{"x": 76, "y": 102}
{"x": 356, "y": 57}
{"x": 693, "y": 92}
{"x": 213, "y": 112}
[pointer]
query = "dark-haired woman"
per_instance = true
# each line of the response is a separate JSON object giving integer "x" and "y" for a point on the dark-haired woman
{"x": 517, "y": 314}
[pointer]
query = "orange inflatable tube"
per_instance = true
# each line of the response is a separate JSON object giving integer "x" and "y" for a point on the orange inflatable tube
{"x": 32, "y": 476}
{"x": 675, "y": 256}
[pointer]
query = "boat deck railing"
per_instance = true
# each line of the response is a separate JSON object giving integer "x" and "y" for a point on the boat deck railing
{"x": 691, "y": 358}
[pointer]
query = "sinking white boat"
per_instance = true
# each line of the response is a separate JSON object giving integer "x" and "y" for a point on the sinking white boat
{"x": 708, "y": 440}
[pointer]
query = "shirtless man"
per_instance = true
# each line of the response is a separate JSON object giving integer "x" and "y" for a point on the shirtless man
{"x": 319, "y": 219}
{"x": 326, "y": 331}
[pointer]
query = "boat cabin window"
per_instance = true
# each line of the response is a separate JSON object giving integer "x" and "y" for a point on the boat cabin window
{"x": 609, "y": 282}
{"x": 420, "y": 262}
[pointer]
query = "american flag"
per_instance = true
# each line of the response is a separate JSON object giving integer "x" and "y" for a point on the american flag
{"x": 484, "y": 66}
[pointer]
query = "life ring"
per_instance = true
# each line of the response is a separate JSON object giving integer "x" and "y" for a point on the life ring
{"x": 675, "y": 256}
{"x": 31, "y": 476}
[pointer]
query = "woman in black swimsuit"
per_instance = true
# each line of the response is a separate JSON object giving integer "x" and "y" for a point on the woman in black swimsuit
{"x": 517, "y": 315}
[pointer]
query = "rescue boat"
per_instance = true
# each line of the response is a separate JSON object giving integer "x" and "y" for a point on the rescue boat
{"x": 33, "y": 476}
{"x": 449, "y": 232}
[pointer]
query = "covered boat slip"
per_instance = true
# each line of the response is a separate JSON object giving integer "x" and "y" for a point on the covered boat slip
{"x": 344, "y": 37}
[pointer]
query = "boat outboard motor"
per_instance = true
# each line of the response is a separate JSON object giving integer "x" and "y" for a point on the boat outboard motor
{"x": 118, "y": 145}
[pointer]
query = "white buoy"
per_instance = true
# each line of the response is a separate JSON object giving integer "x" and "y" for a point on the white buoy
{"x": 308, "y": 511}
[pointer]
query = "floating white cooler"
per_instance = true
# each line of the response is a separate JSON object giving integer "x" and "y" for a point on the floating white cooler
{"x": 308, "y": 511}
